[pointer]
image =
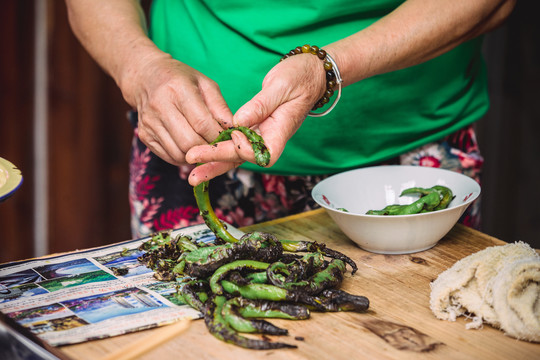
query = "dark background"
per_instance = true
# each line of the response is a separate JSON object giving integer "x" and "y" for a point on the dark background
{"x": 89, "y": 136}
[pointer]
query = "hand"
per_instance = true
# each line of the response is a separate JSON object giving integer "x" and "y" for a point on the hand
{"x": 289, "y": 91}
{"x": 178, "y": 106}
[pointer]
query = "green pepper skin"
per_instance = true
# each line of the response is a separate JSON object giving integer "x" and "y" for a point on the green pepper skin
{"x": 156, "y": 240}
{"x": 222, "y": 271}
{"x": 333, "y": 300}
{"x": 272, "y": 309}
{"x": 257, "y": 246}
{"x": 207, "y": 212}
{"x": 257, "y": 277}
{"x": 299, "y": 268}
{"x": 328, "y": 300}
{"x": 218, "y": 326}
{"x": 377, "y": 212}
{"x": 186, "y": 244}
{"x": 447, "y": 196}
{"x": 427, "y": 202}
{"x": 416, "y": 190}
{"x": 194, "y": 293}
{"x": 392, "y": 209}
{"x": 262, "y": 155}
{"x": 233, "y": 317}
{"x": 388, "y": 210}
{"x": 256, "y": 291}
{"x": 431, "y": 199}
{"x": 329, "y": 277}
{"x": 313, "y": 246}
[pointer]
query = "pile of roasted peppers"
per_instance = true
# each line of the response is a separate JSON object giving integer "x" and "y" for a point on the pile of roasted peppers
{"x": 237, "y": 283}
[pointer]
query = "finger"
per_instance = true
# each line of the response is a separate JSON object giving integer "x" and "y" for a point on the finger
{"x": 199, "y": 116}
{"x": 217, "y": 105}
{"x": 238, "y": 149}
{"x": 162, "y": 145}
{"x": 207, "y": 172}
{"x": 180, "y": 130}
{"x": 166, "y": 126}
{"x": 279, "y": 128}
{"x": 260, "y": 107}
{"x": 156, "y": 148}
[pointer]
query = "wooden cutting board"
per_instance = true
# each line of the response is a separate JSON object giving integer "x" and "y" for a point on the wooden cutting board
{"x": 398, "y": 325}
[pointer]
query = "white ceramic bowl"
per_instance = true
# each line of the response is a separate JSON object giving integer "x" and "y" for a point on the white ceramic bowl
{"x": 365, "y": 189}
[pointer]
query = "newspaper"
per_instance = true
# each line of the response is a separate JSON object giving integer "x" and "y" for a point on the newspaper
{"x": 93, "y": 294}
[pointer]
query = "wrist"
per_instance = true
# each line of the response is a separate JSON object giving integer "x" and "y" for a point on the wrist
{"x": 132, "y": 71}
{"x": 355, "y": 58}
{"x": 332, "y": 77}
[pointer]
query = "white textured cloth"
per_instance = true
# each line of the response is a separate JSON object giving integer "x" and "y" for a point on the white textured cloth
{"x": 499, "y": 285}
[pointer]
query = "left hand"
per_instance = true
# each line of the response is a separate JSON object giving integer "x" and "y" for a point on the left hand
{"x": 289, "y": 91}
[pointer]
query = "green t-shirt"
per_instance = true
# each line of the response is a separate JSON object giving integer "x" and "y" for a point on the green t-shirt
{"x": 236, "y": 42}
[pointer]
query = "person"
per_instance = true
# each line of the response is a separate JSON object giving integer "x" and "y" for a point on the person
{"x": 413, "y": 81}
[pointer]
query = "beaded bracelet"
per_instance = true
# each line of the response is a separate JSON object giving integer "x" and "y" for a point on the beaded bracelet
{"x": 333, "y": 77}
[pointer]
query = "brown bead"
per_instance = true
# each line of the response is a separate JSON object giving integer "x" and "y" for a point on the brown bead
{"x": 328, "y": 65}
{"x": 298, "y": 50}
{"x": 291, "y": 53}
{"x": 329, "y": 92}
{"x": 305, "y": 49}
{"x": 330, "y": 75}
{"x": 314, "y": 49}
{"x": 324, "y": 100}
{"x": 330, "y": 84}
{"x": 321, "y": 54}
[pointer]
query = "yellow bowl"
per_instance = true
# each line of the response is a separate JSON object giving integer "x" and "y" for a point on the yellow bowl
{"x": 10, "y": 179}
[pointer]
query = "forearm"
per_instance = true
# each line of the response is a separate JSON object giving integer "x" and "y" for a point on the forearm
{"x": 115, "y": 35}
{"x": 415, "y": 32}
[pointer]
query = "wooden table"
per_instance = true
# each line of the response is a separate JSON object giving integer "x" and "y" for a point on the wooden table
{"x": 398, "y": 325}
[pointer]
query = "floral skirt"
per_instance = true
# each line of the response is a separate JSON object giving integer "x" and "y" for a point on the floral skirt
{"x": 161, "y": 197}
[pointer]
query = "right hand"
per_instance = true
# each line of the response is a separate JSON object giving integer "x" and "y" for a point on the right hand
{"x": 178, "y": 106}
{"x": 288, "y": 93}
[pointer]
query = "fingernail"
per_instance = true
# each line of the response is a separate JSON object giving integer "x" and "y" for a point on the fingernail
{"x": 238, "y": 139}
{"x": 235, "y": 137}
{"x": 189, "y": 158}
{"x": 239, "y": 119}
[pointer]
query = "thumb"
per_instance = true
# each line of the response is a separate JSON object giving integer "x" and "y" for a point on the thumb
{"x": 258, "y": 109}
